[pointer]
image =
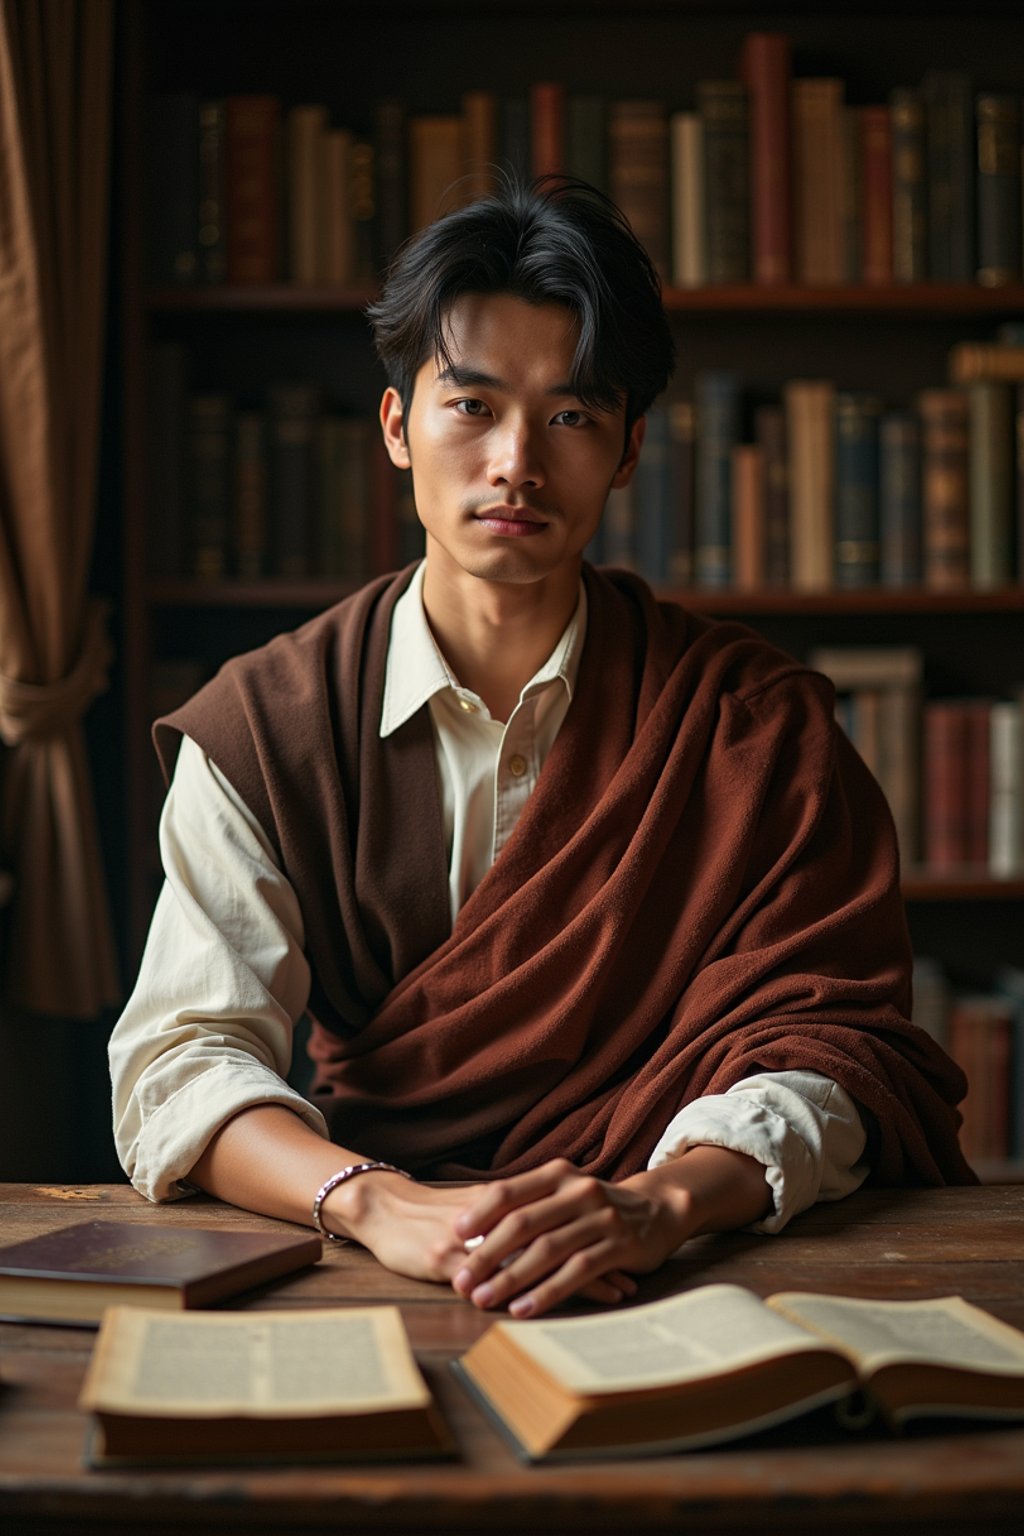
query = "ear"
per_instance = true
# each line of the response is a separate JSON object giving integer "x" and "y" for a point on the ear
{"x": 392, "y": 422}
{"x": 624, "y": 473}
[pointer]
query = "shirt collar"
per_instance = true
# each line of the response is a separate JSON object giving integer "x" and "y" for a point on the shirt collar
{"x": 416, "y": 670}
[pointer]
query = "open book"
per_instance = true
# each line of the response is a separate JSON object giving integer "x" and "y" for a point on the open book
{"x": 718, "y": 1362}
{"x": 327, "y": 1384}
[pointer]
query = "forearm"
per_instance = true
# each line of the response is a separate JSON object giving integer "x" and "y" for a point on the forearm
{"x": 707, "y": 1189}
{"x": 266, "y": 1159}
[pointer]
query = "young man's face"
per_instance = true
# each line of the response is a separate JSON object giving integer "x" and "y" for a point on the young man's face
{"x": 510, "y": 471}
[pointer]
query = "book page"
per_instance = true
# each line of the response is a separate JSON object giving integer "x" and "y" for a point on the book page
{"x": 948, "y": 1331}
{"x": 685, "y": 1338}
{"x": 285, "y": 1363}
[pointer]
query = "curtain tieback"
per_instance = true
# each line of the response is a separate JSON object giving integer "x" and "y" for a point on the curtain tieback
{"x": 33, "y": 710}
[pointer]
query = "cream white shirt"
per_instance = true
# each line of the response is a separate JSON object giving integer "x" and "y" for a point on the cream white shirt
{"x": 208, "y": 1030}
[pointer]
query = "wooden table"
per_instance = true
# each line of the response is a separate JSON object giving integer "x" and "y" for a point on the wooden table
{"x": 890, "y": 1244}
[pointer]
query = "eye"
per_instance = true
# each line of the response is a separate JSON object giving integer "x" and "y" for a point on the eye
{"x": 470, "y": 407}
{"x": 572, "y": 419}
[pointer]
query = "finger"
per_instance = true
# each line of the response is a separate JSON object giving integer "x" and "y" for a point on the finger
{"x": 497, "y": 1199}
{"x": 547, "y": 1253}
{"x": 573, "y": 1278}
{"x": 517, "y": 1228}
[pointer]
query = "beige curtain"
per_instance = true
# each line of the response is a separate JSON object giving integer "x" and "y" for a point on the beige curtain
{"x": 55, "y": 107}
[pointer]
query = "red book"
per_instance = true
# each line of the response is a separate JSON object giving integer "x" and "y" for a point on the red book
{"x": 876, "y": 194}
{"x": 766, "y": 71}
{"x": 945, "y": 488}
{"x": 946, "y": 784}
{"x": 547, "y": 128}
{"x": 252, "y": 188}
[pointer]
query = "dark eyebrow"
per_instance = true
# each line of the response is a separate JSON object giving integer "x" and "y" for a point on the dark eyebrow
{"x": 466, "y": 378}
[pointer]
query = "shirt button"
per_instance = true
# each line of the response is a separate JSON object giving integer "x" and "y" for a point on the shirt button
{"x": 468, "y": 706}
{"x": 517, "y": 765}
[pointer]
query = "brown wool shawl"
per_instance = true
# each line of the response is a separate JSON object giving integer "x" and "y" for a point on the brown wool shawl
{"x": 702, "y": 885}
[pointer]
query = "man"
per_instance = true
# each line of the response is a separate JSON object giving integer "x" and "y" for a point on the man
{"x": 593, "y": 908}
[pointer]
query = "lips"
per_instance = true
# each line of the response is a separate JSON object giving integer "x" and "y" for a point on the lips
{"x": 509, "y": 514}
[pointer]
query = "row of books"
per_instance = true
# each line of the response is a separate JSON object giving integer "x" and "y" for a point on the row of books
{"x": 768, "y": 177}
{"x": 285, "y": 488}
{"x": 835, "y": 490}
{"x": 952, "y": 769}
{"x": 984, "y": 1033}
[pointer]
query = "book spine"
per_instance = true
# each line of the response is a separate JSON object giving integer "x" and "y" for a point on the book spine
{"x": 1018, "y": 459}
{"x": 909, "y": 187}
{"x": 618, "y": 543}
{"x": 979, "y": 778}
{"x": 748, "y": 517}
{"x": 949, "y": 131}
{"x": 391, "y": 175}
{"x": 166, "y": 487}
{"x": 249, "y": 521}
{"x": 172, "y": 188}
{"x": 899, "y": 440}
{"x": 817, "y": 175}
{"x": 514, "y": 135}
{"x": 722, "y": 106}
{"x": 856, "y": 508}
{"x": 944, "y": 488}
{"x": 810, "y": 434}
{"x": 638, "y": 173}
{"x": 213, "y": 259}
{"x": 652, "y": 499}
{"x": 363, "y": 186}
{"x": 547, "y": 128}
{"x": 382, "y": 542}
{"x": 339, "y": 228}
{"x": 681, "y": 425}
{"x": 991, "y": 488}
{"x": 770, "y": 436}
{"x": 252, "y": 188}
{"x": 293, "y": 411}
{"x": 851, "y": 189}
{"x": 1006, "y": 790}
{"x": 999, "y": 189}
{"x": 877, "y": 195}
{"x": 766, "y": 72}
{"x": 435, "y": 168}
{"x": 209, "y": 458}
{"x": 971, "y": 360}
{"x": 587, "y": 150}
{"x": 945, "y": 757}
{"x": 689, "y": 236}
{"x": 717, "y": 425}
{"x": 305, "y": 127}
{"x": 480, "y": 143}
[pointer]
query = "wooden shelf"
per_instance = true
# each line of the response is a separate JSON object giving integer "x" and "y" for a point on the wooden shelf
{"x": 926, "y": 300}
{"x": 317, "y": 592}
{"x": 963, "y": 885}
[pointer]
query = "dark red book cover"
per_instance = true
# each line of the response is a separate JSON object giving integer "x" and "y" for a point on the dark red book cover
{"x": 946, "y": 784}
{"x": 876, "y": 194}
{"x": 548, "y": 128}
{"x": 252, "y": 188}
{"x": 765, "y": 70}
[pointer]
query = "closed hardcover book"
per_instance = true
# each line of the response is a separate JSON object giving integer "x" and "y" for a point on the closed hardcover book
{"x": 587, "y": 150}
{"x": 638, "y": 176}
{"x": 748, "y": 518}
{"x": 209, "y": 459}
{"x": 251, "y": 496}
{"x": 1006, "y": 790}
{"x": 851, "y": 188}
{"x": 293, "y": 410}
{"x": 689, "y": 234}
{"x": 945, "y": 505}
{"x": 339, "y": 225}
{"x": 949, "y": 136}
{"x": 876, "y": 195}
{"x": 810, "y": 435}
{"x": 72, "y": 1274}
{"x": 172, "y": 189}
{"x": 909, "y": 186}
{"x": 653, "y": 488}
{"x": 435, "y": 168}
{"x": 391, "y": 172}
{"x": 817, "y": 179}
{"x": 999, "y": 189}
{"x": 717, "y": 428}
{"x": 618, "y": 532}
{"x": 770, "y": 436}
{"x": 722, "y": 106}
{"x": 681, "y": 470}
{"x": 899, "y": 498}
{"x": 1001, "y": 361}
{"x": 946, "y": 739}
{"x": 857, "y": 555}
{"x": 364, "y": 208}
{"x": 252, "y": 188}
{"x": 479, "y": 143}
{"x": 992, "y": 488}
{"x": 766, "y": 71}
{"x": 979, "y": 779}
{"x": 548, "y": 142}
{"x": 212, "y": 233}
{"x": 344, "y": 498}
{"x": 305, "y": 131}
{"x": 981, "y": 1028}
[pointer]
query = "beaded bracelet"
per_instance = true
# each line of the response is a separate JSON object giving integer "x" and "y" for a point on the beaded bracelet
{"x": 339, "y": 1178}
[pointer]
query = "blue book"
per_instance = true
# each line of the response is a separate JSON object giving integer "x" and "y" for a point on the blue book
{"x": 856, "y": 493}
{"x": 900, "y": 516}
{"x": 717, "y": 432}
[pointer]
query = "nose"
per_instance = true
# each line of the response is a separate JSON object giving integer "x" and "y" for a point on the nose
{"x": 516, "y": 459}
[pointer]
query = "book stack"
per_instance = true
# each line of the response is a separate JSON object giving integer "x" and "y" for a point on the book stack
{"x": 283, "y": 486}
{"x": 764, "y": 176}
{"x": 973, "y": 786}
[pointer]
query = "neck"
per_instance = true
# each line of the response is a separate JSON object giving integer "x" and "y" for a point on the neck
{"x": 496, "y": 635}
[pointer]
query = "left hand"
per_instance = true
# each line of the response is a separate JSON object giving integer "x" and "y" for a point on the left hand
{"x": 554, "y": 1232}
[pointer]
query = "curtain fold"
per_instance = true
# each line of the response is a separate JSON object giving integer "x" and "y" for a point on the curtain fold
{"x": 56, "y": 60}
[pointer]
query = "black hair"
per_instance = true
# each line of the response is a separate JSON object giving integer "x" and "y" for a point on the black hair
{"x": 555, "y": 240}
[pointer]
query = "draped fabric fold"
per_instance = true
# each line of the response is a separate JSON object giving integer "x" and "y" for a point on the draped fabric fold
{"x": 55, "y": 107}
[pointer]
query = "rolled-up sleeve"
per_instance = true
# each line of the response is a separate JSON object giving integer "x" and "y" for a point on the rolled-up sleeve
{"x": 804, "y": 1129}
{"x": 209, "y": 1028}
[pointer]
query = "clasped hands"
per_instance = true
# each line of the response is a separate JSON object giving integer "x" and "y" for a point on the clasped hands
{"x": 539, "y": 1238}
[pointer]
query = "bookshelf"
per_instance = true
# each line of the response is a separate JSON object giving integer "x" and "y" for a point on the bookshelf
{"x": 892, "y": 337}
